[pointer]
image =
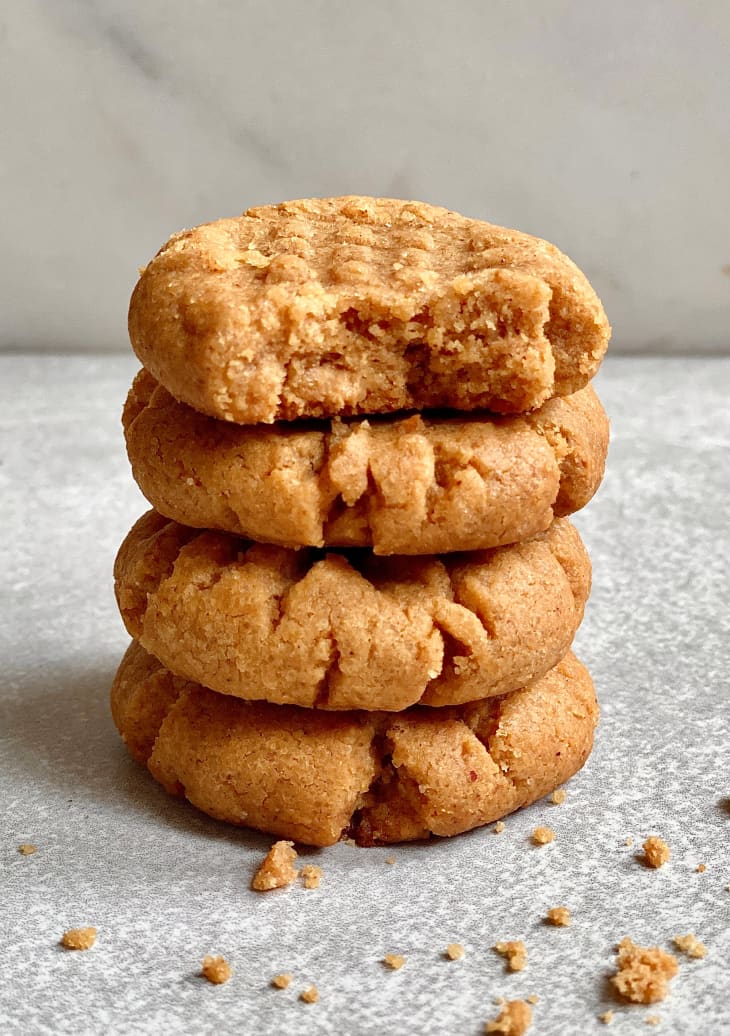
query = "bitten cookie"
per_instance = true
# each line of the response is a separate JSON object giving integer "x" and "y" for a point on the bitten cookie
{"x": 314, "y": 776}
{"x": 419, "y": 485}
{"x": 339, "y": 306}
{"x": 350, "y": 630}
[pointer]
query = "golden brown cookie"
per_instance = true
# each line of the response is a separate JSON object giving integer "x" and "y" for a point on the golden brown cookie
{"x": 338, "y": 306}
{"x": 314, "y": 776}
{"x": 414, "y": 485}
{"x": 350, "y": 630}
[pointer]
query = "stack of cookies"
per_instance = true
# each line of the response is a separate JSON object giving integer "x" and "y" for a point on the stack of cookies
{"x": 361, "y": 424}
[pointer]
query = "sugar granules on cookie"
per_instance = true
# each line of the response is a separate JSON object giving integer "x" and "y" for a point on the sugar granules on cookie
{"x": 216, "y": 970}
{"x": 515, "y": 953}
{"x": 513, "y": 1020}
{"x": 559, "y": 916}
{"x": 309, "y": 995}
{"x": 282, "y": 981}
{"x": 26, "y": 849}
{"x": 79, "y": 938}
{"x": 543, "y": 835}
{"x": 656, "y": 851}
{"x": 454, "y": 951}
{"x": 643, "y": 972}
{"x": 277, "y": 870}
{"x": 394, "y": 961}
{"x": 690, "y": 945}
{"x": 311, "y": 876}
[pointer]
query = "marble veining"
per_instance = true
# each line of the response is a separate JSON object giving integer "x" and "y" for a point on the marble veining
{"x": 597, "y": 126}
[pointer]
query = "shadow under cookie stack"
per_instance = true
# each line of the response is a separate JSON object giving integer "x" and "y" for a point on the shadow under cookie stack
{"x": 361, "y": 424}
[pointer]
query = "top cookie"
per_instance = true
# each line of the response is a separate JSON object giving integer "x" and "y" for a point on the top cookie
{"x": 340, "y": 306}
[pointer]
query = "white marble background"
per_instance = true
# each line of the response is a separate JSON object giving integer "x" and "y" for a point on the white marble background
{"x": 600, "y": 125}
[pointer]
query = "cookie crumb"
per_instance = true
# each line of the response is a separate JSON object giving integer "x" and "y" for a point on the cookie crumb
{"x": 311, "y": 876}
{"x": 606, "y": 1017}
{"x": 309, "y": 996}
{"x": 216, "y": 970}
{"x": 515, "y": 953}
{"x": 282, "y": 981}
{"x": 643, "y": 972}
{"x": 390, "y": 860}
{"x": 499, "y": 827}
{"x": 394, "y": 961}
{"x": 558, "y": 797}
{"x": 656, "y": 851}
{"x": 543, "y": 835}
{"x": 652, "y": 1019}
{"x": 454, "y": 951}
{"x": 701, "y": 868}
{"x": 277, "y": 869}
{"x": 26, "y": 849}
{"x": 533, "y": 998}
{"x": 629, "y": 841}
{"x": 513, "y": 1020}
{"x": 690, "y": 945}
{"x": 559, "y": 916}
{"x": 79, "y": 938}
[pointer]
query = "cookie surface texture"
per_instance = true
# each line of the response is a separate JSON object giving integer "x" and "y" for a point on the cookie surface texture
{"x": 353, "y": 305}
{"x": 414, "y": 485}
{"x": 349, "y": 630}
{"x": 314, "y": 776}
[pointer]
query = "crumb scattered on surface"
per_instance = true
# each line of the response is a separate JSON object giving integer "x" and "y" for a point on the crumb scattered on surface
{"x": 79, "y": 938}
{"x": 310, "y": 995}
{"x": 606, "y": 1017}
{"x": 311, "y": 876}
{"x": 629, "y": 841}
{"x": 454, "y": 951}
{"x": 515, "y": 953}
{"x": 26, "y": 849}
{"x": 533, "y": 998}
{"x": 216, "y": 969}
{"x": 394, "y": 961}
{"x": 643, "y": 972}
{"x": 390, "y": 860}
{"x": 277, "y": 870}
{"x": 690, "y": 945}
{"x": 656, "y": 851}
{"x": 701, "y": 868}
{"x": 559, "y": 916}
{"x": 652, "y": 1019}
{"x": 543, "y": 835}
{"x": 513, "y": 1020}
{"x": 499, "y": 827}
{"x": 282, "y": 981}
{"x": 558, "y": 797}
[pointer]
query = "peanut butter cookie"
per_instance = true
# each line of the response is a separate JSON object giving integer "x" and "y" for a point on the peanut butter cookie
{"x": 348, "y": 630}
{"x": 314, "y": 776}
{"x": 339, "y": 306}
{"x": 414, "y": 485}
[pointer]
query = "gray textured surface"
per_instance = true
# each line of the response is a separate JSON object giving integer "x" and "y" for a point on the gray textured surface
{"x": 165, "y": 885}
